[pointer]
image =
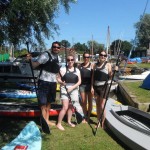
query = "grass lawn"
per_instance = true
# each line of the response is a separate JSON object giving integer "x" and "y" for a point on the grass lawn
{"x": 137, "y": 65}
{"x": 81, "y": 137}
{"x": 142, "y": 95}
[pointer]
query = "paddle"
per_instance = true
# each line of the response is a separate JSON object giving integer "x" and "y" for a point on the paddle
{"x": 107, "y": 94}
{"x": 45, "y": 127}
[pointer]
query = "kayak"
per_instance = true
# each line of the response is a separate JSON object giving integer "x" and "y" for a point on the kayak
{"x": 29, "y": 138}
{"x": 24, "y": 110}
{"x": 141, "y": 76}
{"x": 15, "y": 93}
{"x": 130, "y": 125}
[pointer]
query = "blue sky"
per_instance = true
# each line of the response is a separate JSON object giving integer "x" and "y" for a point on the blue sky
{"x": 91, "y": 18}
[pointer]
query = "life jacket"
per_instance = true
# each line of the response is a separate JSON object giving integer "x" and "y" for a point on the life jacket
{"x": 52, "y": 65}
{"x": 70, "y": 77}
{"x": 100, "y": 74}
{"x": 86, "y": 73}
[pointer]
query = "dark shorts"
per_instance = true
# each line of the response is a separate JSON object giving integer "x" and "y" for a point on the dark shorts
{"x": 101, "y": 91}
{"x": 85, "y": 88}
{"x": 46, "y": 92}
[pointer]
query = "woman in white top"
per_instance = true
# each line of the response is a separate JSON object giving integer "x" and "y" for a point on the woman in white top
{"x": 71, "y": 79}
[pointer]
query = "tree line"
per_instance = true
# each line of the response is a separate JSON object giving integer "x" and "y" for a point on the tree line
{"x": 34, "y": 21}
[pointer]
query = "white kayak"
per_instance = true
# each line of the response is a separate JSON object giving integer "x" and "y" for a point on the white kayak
{"x": 29, "y": 138}
{"x": 129, "y": 124}
{"x": 141, "y": 76}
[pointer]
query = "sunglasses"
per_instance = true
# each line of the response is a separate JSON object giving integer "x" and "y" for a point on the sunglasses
{"x": 56, "y": 47}
{"x": 70, "y": 59}
{"x": 86, "y": 57}
{"x": 103, "y": 55}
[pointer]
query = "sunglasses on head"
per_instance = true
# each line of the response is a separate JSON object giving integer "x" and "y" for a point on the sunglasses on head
{"x": 103, "y": 55}
{"x": 86, "y": 57}
{"x": 58, "y": 47}
{"x": 70, "y": 59}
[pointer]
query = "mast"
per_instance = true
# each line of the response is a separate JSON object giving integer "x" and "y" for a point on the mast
{"x": 108, "y": 41}
{"x": 92, "y": 48}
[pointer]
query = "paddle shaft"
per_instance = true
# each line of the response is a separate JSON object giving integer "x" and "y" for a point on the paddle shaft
{"x": 99, "y": 121}
{"x": 44, "y": 124}
{"x": 27, "y": 43}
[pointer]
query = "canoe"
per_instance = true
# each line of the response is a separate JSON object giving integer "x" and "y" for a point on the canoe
{"x": 141, "y": 76}
{"x": 129, "y": 124}
{"x": 15, "y": 93}
{"x": 26, "y": 86}
{"x": 29, "y": 138}
{"x": 24, "y": 110}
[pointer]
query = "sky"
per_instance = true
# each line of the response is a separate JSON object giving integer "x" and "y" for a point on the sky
{"x": 89, "y": 20}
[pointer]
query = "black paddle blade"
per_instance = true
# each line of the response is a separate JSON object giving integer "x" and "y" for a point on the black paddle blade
{"x": 44, "y": 125}
{"x": 79, "y": 117}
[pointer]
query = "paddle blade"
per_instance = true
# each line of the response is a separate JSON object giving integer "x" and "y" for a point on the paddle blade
{"x": 44, "y": 125}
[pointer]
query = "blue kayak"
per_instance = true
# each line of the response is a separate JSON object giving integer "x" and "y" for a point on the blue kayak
{"x": 29, "y": 137}
{"x": 15, "y": 93}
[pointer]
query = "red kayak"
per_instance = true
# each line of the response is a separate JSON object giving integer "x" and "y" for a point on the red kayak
{"x": 23, "y": 110}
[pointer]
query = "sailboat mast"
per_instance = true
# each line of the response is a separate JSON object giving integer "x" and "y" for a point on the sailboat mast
{"x": 108, "y": 40}
{"x": 92, "y": 48}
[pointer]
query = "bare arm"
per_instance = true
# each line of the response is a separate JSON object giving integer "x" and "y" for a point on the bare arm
{"x": 34, "y": 63}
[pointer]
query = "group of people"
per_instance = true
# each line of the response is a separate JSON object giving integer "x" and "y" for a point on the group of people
{"x": 86, "y": 80}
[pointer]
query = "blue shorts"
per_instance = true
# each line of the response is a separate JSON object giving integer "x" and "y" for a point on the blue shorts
{"x": 85, "y": 88}
{"x": 46, "y": 92}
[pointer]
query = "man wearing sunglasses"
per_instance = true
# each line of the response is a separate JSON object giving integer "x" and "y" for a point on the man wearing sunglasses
{"x": 49, "y": 68}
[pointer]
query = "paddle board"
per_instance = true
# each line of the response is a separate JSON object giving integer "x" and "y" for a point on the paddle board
{"x": 29, "y": 138}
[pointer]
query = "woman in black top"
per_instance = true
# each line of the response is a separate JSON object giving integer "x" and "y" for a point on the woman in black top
{"x": 85, "y": 87}
{"x": 102, "y": 72}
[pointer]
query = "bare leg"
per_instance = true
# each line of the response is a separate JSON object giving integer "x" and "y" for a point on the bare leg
{"x": 69, "y": 113}
{"x": 89, "y": 105}
{"x": 43, "y": 111}
{"x": 84, "y": 105}
{"x": 48, "y": 106}
{"x": 104, "y": 113}
{"x": 62, "y": 113}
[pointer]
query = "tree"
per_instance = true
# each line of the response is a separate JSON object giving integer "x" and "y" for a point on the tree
{"x": 30, "y": 20}
{"x": 120, "y": 45}
{"x": 80, "y": 47}
{"x": 95, "y": 46}
{"x": 65, "y": 43}
{"x": 143, "y": 30}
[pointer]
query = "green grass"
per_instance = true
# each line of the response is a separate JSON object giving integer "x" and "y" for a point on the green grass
{"x": 134, "y": 88}
{"x": 81, "y": 137}
{"x": 138, "y": 65}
